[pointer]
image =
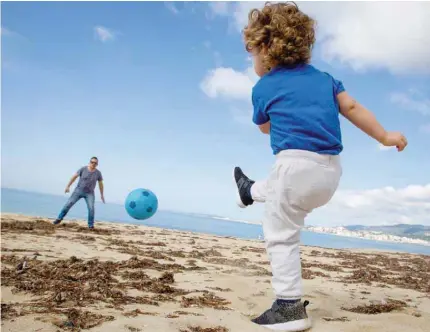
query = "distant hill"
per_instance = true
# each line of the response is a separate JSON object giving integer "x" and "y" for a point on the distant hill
{"x": 407, "y": 230}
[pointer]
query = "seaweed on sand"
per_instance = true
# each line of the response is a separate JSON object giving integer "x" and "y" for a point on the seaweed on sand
{"x": 78, "y": 319}
{"x": 203, "y": 329}
{"x": 209, "y": 300}
{"x": 378, "y": 308}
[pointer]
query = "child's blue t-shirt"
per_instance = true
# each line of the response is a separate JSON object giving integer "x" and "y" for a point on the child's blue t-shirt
{"x": 302, "y": 108}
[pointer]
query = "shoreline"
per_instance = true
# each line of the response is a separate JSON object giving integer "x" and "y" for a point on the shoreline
{"x": 118, "y": 208}
{"x": 256, "y": 238}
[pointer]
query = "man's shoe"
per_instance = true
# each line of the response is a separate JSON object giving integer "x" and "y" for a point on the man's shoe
{"x": 57, "y": 221}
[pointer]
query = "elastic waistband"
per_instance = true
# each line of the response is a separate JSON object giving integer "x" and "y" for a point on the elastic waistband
{"x": 327, "y": 159}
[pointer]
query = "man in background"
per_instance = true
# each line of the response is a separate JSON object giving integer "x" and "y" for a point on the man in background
{"x": 88, "y": 178}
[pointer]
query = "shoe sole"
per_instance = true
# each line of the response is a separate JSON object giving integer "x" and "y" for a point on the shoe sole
{"x": 238, "y": 200}
{"x": 294, "y": 326}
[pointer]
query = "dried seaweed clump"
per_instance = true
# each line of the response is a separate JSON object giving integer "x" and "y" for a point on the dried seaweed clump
{"x": 379, "y": 308}
{"x": 77, "y": 320}
{"x": 209, "y": 300}
{"x": 203, "y": 329}
{"x": 39, "y": 227}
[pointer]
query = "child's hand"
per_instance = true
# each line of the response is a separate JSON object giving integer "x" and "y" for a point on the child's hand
{"x": 395, "y": 139}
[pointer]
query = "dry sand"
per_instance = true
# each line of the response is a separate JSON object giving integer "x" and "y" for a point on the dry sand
{"x": 136, "y": 278}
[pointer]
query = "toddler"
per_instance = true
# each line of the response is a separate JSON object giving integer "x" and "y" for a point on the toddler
{"x": 299, "y": 107}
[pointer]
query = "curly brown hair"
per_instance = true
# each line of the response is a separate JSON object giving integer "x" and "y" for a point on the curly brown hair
{"x": 286, "y": 34}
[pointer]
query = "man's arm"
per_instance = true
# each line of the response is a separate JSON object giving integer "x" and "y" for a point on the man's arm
{"x": 366, "y": 121}
{"x": 73, "y": 179}
{"x": 265, "y": 127}
{"x": 101, "y": 187}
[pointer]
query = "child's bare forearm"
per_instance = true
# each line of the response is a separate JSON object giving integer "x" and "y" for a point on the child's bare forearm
{"x": 366, "y": 121}
{"x": 361, "y": 117}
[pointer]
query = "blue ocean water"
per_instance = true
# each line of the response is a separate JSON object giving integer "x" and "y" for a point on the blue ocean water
{"x": 36, "y": 204}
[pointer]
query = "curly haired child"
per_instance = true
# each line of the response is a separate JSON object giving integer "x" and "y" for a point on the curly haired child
{"x": 299, "y": 107}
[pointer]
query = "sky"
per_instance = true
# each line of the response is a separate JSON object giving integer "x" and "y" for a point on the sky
{"x": 160, "y": 93}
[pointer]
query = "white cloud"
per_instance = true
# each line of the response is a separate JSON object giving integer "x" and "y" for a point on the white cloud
{"x": 171, "y": 7}
{"x": 363, "y": 35}
{"x": 386, "y": 205}
{"x": 229, "y": 83}
{"x": 104, "y": 34}
{"x": 414, "y": 100}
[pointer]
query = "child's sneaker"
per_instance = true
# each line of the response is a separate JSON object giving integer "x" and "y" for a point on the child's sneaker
{"x": 285, "y": 317}
{"x": 244, "y": 185}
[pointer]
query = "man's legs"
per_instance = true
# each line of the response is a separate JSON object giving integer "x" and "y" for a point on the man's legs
{"x": 72, "y": 201}
{"x": 89, "y": 199}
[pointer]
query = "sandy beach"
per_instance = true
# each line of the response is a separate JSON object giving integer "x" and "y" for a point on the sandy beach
{"x": 135, "y": 278}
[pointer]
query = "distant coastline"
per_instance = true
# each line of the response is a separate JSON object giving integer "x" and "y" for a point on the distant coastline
{"x": 343, "y": 231}
{"x": 365, "y": 234}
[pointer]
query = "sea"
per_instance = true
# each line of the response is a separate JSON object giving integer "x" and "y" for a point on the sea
{"x": 46, "y": 205}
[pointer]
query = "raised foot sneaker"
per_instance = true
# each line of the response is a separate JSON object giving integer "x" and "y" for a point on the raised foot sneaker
{"x": 57, "y": 221}
{"x": 285, "y": 317}
{"x": 243, "y": 184}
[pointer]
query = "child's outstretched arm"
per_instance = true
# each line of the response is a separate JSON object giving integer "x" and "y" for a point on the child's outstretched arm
{"x": 366, "y": 121}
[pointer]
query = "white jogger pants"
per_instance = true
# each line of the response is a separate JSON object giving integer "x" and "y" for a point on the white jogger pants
{"x": 300, "y": 181}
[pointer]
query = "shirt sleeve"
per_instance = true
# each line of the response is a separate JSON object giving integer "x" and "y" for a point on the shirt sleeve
{"x": 80, "y": 171}
{"x": 338, "y": 86}
{"x": 100, "y": 176}
{"x": 260, "y": 115}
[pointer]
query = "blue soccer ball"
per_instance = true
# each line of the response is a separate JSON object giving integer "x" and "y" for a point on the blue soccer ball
{"x": 141, "y": 204}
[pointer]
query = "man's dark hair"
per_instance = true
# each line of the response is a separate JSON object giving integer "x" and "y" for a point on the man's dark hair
{"x": 95, "y": 158}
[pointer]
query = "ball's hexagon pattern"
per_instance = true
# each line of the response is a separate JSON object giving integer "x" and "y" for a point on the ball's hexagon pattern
{"x": 141, "y": 204}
